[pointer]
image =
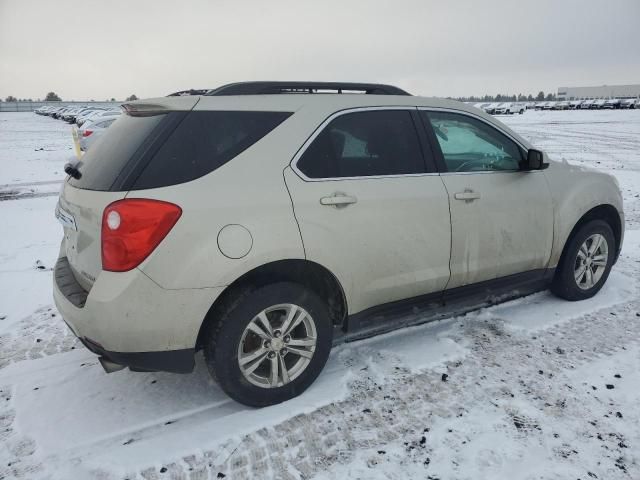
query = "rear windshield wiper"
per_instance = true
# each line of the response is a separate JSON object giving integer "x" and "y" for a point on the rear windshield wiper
{"x": 71, "y": 169}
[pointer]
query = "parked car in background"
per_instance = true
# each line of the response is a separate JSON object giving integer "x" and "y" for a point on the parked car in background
{"x": 97, "y": 114}
{"x": 612, "y": 103}
{"x": 87, "y": 112}
{"x": 509, "y": 108}
{"x": 575, "y": 104}
{"x": 598, "y": 104}
{"x": 630, "y": 103}
{"x": 491, "y": 107}
{"x": 587, "y": 104}
{"x": 549, "y": 106}
{"x": 161, "y": 258}
{"x": 94, "y": 130}
{"x": 562, "y": 105}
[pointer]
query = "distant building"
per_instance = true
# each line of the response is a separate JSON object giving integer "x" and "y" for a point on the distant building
{"x": 605, "y": 91}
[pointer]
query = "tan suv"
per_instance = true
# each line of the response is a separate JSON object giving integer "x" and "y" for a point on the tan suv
{"x": 263, "y": 222}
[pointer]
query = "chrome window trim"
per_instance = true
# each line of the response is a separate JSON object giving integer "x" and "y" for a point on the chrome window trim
{"x": 294, "y": 162}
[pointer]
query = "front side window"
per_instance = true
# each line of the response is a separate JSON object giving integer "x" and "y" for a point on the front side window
{"x": 364, "y": 144}
{"x": 470, "y": 145}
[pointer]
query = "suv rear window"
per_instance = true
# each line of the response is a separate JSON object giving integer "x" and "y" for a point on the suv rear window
{"x": 109, "y": 155}
{"x": 203, "y": 142}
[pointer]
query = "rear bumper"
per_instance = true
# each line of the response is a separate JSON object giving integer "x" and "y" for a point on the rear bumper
{"x": 130, "y": 320}
{"x": 175, "y": 361}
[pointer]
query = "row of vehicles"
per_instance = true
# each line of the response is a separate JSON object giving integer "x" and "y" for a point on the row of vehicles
{"x": 92, "y": 121}
{"x": 502, "y": 108}
{"x": 506, "y": 108}
{"x": 591, "y": 104}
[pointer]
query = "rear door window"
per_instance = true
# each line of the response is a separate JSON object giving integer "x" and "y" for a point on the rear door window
{"x": 203, "y": 142}
{"x": 365, "y": 144}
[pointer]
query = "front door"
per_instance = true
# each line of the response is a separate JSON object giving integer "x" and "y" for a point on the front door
{"x": 501, "y": 216}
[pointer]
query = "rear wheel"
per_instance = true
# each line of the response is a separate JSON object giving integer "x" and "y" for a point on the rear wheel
{"x": 270, "y": 344}
{"x": 586, "y": 262}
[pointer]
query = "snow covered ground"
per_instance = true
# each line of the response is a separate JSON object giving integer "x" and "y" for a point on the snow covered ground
{"x": 534, "y": 388}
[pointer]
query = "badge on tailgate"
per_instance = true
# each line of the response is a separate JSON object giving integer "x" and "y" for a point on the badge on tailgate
{"x": 65, "y": 218}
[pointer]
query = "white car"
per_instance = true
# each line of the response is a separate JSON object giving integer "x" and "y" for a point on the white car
{"x": 509, "y": 108}
{"x": 97, "y": 114}
{"x": 90, "y": 132}
{"x": 587, "y": 104}
{"x": 630, "y": 103}
{"x": 264, "y": 225}
{"x": 491, "y": 107}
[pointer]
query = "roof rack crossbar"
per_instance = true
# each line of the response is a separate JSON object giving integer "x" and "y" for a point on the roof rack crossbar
{"x": 269, "y": 88}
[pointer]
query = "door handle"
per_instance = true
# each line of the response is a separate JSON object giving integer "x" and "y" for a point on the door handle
{"x": 338, "y": 200}
{"x": 468, "y": 195}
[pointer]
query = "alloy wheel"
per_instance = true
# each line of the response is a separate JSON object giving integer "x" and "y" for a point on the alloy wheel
{"x": 277, "y": 345}
{"x": 591, "y": 261}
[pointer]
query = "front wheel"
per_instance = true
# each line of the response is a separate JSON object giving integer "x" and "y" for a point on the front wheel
{"x": 269, "y": 344}
{"x": 586, "y": 262}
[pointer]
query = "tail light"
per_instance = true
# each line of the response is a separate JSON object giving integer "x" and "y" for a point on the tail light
{"x": 132, "y": 229}
{"x": 86, "y": 133}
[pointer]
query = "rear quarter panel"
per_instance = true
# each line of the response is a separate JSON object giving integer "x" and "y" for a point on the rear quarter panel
{"x": 249, "y": 191}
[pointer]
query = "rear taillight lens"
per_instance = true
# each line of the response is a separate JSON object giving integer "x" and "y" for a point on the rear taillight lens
{"x": 86, "y": 133}
{"x": 132, "y": 229}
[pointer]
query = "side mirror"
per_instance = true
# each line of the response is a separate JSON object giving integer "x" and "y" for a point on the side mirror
{"x": 535, "y": 160}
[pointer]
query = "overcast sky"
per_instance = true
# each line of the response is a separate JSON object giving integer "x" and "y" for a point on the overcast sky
{"x": 86, "y": 49}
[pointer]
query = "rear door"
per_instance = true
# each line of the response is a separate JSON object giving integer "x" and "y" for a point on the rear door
{"x": 371, "y": 208}
{"x": 501, "y": 217}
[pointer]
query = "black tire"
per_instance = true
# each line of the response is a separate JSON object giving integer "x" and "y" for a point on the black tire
{"x": 223, "y": 339}
{"x": 564, "y": 283}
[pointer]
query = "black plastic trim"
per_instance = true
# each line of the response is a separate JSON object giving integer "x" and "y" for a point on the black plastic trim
{"x": 67, "y": 283}
{"x": 174, "y": 361}
{"x": 438, "y": 305}
{"x": 428, "y": 152}
{"x": 125, "y": 181}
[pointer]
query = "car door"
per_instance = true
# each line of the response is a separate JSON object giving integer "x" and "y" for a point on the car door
{"x": 501, "y": 216}
{"x": 371, "y": 208}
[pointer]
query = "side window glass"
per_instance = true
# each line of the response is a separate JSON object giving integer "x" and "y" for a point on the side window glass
{"x": 469, "y": 145}
{"x": 364, "y": 144}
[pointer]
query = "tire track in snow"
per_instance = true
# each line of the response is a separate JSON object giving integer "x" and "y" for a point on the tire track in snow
{"x": 41, "y": 334}
{"x": 502, "y": 373}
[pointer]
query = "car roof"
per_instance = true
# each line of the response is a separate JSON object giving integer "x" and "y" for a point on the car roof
{"x": 324, "y": 104}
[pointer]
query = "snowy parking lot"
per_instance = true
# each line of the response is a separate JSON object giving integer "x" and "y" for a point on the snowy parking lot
{"x": 533, "y": 388}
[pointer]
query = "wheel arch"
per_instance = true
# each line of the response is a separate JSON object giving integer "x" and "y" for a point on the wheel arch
{"x": 605, "y": 212}
{"x": 310, "y": 274}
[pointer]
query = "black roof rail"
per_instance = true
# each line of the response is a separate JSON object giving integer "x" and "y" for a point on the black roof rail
{"x": 191, "y": 91}
{"x": 269, "y": 88}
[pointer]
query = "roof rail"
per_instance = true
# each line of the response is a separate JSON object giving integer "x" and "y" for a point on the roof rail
{"x": 269, "y": 88}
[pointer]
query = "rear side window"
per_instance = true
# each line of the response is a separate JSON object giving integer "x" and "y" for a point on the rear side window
{"x": 203, "y": 142}
{"x": 364, "y": 144}
{"x": 103, "y": 162}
